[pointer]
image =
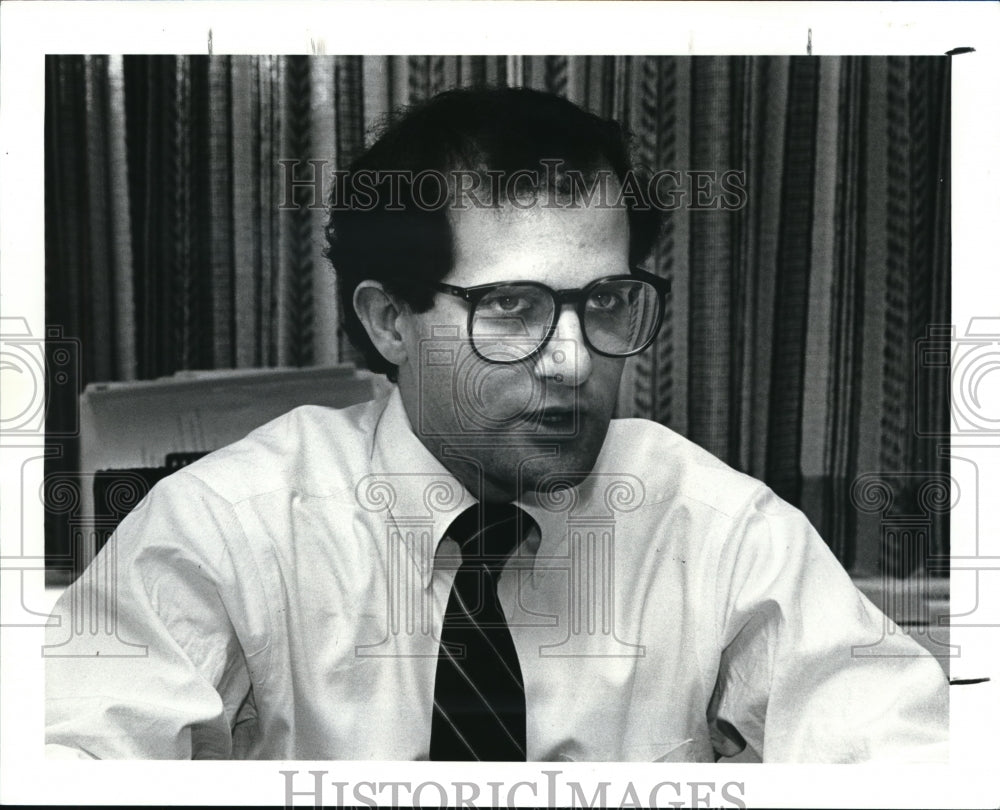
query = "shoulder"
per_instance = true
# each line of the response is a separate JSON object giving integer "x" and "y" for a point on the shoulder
{"x": 311, "y": 449}
{"x": 675, "y": 470}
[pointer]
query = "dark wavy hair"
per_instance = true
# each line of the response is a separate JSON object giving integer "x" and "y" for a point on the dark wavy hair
{"x": 380, "y": 226}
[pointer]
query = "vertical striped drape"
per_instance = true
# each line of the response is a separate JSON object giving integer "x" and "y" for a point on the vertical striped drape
{"x": 184, "y": 230}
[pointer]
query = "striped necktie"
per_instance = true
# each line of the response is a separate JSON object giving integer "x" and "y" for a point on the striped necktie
{"x": 479, "y": 711}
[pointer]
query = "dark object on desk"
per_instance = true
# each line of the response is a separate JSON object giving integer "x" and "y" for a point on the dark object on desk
{"x": 118, "y": 492}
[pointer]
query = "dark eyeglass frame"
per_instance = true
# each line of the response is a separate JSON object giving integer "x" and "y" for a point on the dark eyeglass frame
{"x": 576, "y": 296}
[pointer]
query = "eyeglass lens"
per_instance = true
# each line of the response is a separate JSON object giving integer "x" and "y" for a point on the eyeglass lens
{"x": 510, "y": 322}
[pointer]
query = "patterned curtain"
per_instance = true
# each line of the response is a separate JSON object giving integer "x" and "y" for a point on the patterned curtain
{"x": 184, "y": 231}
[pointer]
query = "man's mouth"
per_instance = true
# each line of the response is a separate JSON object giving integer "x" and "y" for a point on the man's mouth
{"x": 561, "y": 418}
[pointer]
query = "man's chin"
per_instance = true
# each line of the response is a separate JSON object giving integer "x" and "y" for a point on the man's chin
{"x": 568, "y": 468}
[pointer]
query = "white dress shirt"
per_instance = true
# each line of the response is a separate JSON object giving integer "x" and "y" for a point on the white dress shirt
{"x": 283, "y": 597}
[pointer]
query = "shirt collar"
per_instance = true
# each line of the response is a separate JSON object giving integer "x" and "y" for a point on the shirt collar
{"x": 545, "y": 548}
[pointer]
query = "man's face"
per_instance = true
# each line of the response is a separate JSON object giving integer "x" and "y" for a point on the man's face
{"x": 548, "y": 414}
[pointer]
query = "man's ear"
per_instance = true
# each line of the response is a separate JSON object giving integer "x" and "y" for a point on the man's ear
{"x": 379, "y": 313}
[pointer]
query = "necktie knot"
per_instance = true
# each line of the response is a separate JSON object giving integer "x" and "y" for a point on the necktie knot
{"x": 488, "y": 533}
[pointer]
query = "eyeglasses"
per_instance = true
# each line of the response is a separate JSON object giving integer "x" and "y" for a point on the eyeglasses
{"x": 512, "y": 321}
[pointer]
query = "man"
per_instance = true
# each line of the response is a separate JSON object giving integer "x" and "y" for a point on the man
{"x": 483, "y": 564}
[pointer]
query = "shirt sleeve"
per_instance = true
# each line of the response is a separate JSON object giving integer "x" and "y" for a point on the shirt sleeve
{"x": 811, "y": 670}
{"x": 142, "y": 660}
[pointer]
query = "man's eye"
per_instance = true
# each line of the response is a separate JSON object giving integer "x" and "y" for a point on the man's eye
{"x": 508, "y": 304}
{"x": 604, "y": 301}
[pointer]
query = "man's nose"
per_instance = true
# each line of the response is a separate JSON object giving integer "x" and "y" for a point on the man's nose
{"x": 565, "y": 359}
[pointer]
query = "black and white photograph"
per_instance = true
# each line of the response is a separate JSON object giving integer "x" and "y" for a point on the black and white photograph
{"x": 410, "y": 414}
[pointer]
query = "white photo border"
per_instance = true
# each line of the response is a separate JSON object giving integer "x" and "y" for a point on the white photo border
{"x": 30, "y": 30}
